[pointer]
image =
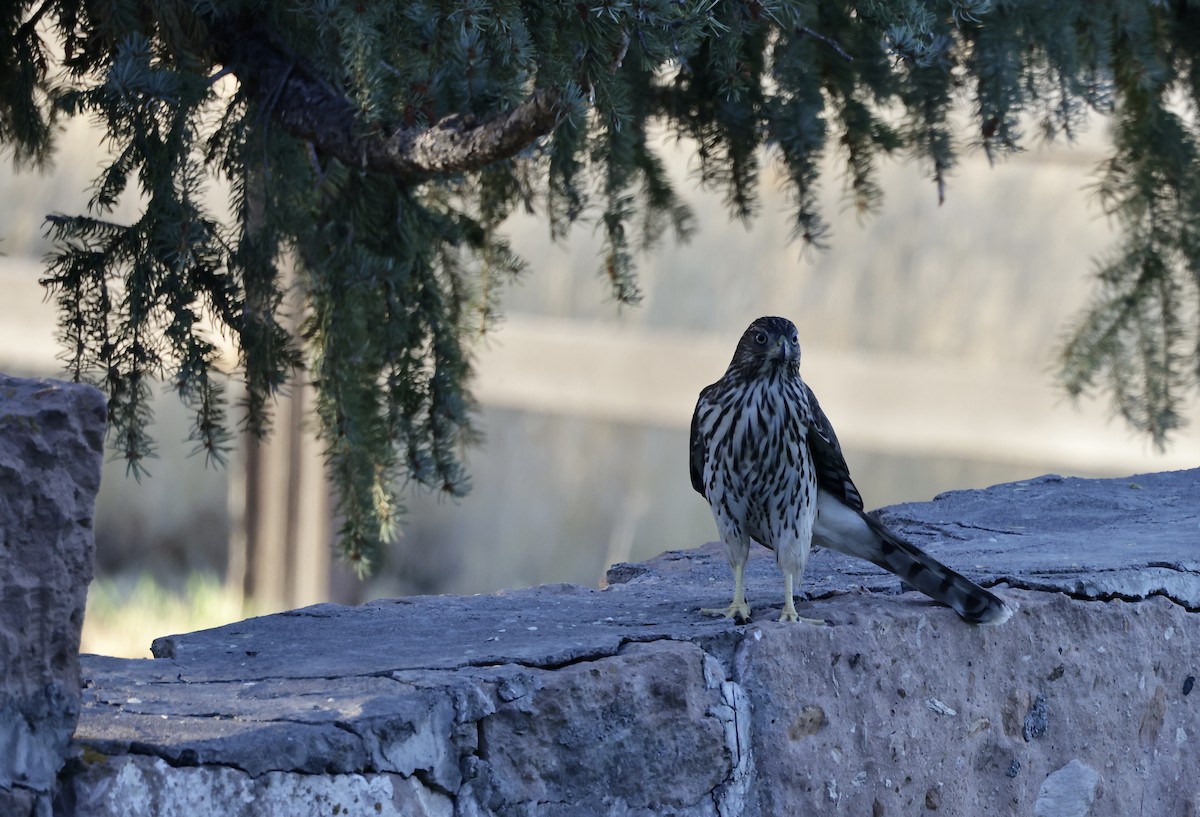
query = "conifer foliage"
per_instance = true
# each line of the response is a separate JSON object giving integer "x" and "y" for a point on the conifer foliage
{"x": 380, "y": 144}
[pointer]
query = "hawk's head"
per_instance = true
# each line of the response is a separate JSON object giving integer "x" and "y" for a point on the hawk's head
{"x": 768, "y": 343}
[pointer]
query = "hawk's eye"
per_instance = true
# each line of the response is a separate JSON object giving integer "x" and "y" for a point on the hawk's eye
{"x": 795, "y": 337}
{"x": 760, "y": 338}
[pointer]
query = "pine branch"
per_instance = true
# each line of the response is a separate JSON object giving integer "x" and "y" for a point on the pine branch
{"x": 829, "y": 41}
{"x": 312, "y": 110}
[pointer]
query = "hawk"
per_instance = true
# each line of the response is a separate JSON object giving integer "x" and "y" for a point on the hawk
{"x": 767, "y": 460}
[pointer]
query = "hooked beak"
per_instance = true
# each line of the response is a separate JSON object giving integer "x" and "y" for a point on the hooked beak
{"x": 784, "y": 349}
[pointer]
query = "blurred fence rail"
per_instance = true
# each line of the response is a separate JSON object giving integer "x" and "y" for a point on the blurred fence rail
{"x": 892, "y": 403}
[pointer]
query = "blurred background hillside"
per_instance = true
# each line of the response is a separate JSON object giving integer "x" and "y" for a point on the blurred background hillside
{"x": 928, "y": 333}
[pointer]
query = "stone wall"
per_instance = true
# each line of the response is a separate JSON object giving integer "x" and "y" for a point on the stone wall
{"x": 563, "y": 700}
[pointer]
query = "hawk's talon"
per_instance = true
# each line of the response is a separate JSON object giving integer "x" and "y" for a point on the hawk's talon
{"x": 793, "y": 616}
{"x": 789, "y": 609}
{"x": 740, "y": 613}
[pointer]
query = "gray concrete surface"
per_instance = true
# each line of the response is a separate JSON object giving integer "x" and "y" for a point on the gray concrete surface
{"x": 566, "y": 700}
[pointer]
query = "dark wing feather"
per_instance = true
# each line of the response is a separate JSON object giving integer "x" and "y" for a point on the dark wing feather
{"x": 696, "y": 445}
{"x": 833, "y": 475}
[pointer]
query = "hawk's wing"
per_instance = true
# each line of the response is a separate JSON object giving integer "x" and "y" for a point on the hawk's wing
{"x": 696, "y": 444}
{"x": 833, "y": 475}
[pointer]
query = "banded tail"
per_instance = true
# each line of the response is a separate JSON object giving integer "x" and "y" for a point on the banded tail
{"x": 916, "y": 567}
{"x": 852, "y": 532}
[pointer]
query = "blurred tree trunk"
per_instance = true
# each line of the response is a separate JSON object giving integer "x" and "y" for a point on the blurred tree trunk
{"x": 280, "y": 548}
{"x": 281, "y": 532}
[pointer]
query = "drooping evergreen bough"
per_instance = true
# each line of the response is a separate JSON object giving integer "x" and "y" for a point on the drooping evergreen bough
{"x": 372, "y": 149}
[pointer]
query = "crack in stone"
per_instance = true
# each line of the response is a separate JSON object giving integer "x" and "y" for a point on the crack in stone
{"x": 1175, "y": 566}
{"x": 189, "y": 759}
{"x": 986, "y": 529}
{"x": 388, "y": 674}
{"x": 947, "y": 530}
{"x": 583, "y": 658}
{"x": 549, "y": 666}
{"x": 425, "y": 778}
{"x": 1104, "y": 596}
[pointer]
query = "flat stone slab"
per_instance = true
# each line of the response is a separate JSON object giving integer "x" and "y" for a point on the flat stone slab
{"x": 533, "y": 701}
{"x": 1090, "y": 538}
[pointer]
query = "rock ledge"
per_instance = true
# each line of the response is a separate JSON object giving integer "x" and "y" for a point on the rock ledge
{"x": 564, "y": 700}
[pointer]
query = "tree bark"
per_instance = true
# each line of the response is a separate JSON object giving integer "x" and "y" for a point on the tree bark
{"x": 311, "y": 109}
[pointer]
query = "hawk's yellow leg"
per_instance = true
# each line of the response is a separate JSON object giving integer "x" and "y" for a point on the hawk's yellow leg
{"x": 737, "y": 610}
{"x": 789, "y": 606}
